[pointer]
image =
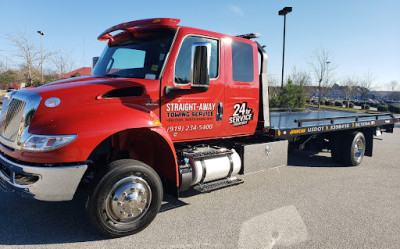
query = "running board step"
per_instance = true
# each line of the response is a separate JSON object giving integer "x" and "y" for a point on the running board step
{"x": 210, "y": 186}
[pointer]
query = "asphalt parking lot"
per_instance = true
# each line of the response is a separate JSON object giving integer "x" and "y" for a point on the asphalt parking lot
{"x": 311, "y": 203}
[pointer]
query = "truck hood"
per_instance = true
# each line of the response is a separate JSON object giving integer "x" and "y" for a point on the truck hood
{"x": 88, "y": 84}
{"x": 78, "y": 95}
{"x": 85, "y": 90}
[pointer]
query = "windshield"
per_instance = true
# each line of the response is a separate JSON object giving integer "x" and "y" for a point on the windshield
{"x": 137, "y": 54}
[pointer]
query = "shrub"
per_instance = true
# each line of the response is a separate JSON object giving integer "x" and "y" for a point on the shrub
{"x": 315, "y": 102}
{"x": 273, "y": 101}
{"x": 351, "y": 105}
{"x": 328, "y": 103}
{"x": 338, "y": 103}
{"x": 394, "y": 108}
{"x": 292, "y": 96}
{"x": 366, "y": 107}
{"x": 383, "y": 108}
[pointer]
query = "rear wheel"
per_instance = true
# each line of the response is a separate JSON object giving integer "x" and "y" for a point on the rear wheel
{"x": 354, "y": 149}
{"x": 126, "y": 199}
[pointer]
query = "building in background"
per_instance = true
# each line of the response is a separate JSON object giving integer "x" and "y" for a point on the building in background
{"x": 17, "y": 85}
{"x": 83, "y": 71}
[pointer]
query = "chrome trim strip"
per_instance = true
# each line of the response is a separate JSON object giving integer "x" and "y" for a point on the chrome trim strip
{"x": 54, "y": 184}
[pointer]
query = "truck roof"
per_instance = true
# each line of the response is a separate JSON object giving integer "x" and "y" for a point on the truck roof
{"x": 160, "y": 22}
{"x": 130, "y": 26}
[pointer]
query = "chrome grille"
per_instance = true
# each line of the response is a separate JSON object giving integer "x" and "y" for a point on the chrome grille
{"x": 12, "y": 119}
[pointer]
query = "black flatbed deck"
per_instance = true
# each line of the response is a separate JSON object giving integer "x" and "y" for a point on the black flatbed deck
{"x": 289, "y": 124}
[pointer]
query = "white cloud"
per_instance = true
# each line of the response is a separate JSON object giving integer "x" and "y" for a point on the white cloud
{"x": 236, "y": 10}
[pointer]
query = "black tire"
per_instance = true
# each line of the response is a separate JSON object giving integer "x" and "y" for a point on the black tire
{"x": 354, "y": 148}
{"x": 126, "y": 199}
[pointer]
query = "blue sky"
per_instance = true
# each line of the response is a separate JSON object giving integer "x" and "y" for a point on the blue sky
{"x": 361, "y": 35}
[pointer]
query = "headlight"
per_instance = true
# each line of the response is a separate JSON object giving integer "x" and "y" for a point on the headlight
{"x": 46, "y": 143}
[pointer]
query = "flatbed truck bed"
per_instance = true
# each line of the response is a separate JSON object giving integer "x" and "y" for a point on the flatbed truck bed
{"x": 289, "y": 125}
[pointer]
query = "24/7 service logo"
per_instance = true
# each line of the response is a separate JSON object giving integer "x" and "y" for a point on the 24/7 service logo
{"x": 242, "y": 114}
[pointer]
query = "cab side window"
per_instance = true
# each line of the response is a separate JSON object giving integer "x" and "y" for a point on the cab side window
{"x": 242, "y": 62}
{"x": 183, "y": 62}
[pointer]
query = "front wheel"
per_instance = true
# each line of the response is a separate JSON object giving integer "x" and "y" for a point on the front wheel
{"x": 126, "y": 199}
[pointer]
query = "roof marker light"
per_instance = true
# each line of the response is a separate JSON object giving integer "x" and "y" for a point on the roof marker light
{"x": 249, "y": 36}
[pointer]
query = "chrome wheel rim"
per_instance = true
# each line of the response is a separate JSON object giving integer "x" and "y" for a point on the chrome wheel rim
{"x": 128, "y": 200}
{"x": 359, "y": 149}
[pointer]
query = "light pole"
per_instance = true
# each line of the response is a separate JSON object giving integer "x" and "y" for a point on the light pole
{"x": 41, "y": 54}
{"x": 324, "y": 71}
{"x": 283, "y": 13}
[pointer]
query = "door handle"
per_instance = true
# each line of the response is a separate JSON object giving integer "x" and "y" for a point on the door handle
{"x": 220, "y": 111}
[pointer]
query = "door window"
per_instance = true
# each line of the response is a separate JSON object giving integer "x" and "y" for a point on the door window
{"x": 184, "y": 60}
{"x": 242, "y": 62}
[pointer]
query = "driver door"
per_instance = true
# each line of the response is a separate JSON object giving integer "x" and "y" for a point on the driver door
{"x": 192, "y": 115}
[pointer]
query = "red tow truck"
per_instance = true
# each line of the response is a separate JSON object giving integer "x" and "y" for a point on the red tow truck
{"x": 166, "y": 108}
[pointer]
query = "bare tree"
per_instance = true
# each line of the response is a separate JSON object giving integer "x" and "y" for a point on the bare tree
{"x": 303, "y": 79}
{"x": 63, "y": 63}
{"x": 300, "y": 77}
{"x": 4, "y": 60}
{"x": 2, "y": 67}
{"x": 273, "y": 91}
{"x": 322, "y": 68}
{"x": 393, "y": 85}
{"x": 273, "y": 85}
{"x": 45, "y": 55}
{"x": 26, "y": 51}
{"x": 272, "y": 81}
{"x": 349, "y": 86}
{"x": 365, "y": 84}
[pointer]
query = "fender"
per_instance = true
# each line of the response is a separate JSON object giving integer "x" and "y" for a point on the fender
{"x": 92, "y": 123}
{"x": 173, "y": 161}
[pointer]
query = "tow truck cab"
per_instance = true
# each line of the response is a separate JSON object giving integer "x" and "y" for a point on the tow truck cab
{"x": 155, "y": 85}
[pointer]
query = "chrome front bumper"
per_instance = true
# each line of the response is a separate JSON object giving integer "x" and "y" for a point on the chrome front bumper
{"x": 40, "y": 183}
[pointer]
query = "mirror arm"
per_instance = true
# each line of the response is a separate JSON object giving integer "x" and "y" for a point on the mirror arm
{"x": 94, "y": 61}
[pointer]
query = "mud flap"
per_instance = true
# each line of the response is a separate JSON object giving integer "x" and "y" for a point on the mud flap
{"x": 369, "y": 142}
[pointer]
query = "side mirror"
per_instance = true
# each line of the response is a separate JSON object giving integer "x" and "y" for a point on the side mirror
{"x": 200, "y": 76}
{"x": 94, "y": 61}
